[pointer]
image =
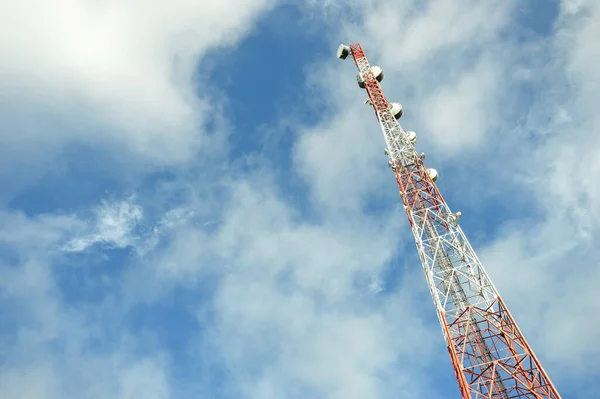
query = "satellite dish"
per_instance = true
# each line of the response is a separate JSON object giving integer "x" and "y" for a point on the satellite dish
{"x": 412, "y": 137}
{"x": 396, "y": 109}
{"x": 343, "y": 52}
{"x": 377, "y": 72}
{"x": 433, "y": 174}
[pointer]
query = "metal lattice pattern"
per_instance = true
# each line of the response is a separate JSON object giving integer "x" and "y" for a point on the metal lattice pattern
{"x": 490, "y": 356}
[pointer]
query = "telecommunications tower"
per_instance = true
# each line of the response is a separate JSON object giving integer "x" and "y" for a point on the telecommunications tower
{"x": 490, "y": 355}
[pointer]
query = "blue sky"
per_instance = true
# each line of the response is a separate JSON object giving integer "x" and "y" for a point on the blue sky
{"x": 196, "y": 202}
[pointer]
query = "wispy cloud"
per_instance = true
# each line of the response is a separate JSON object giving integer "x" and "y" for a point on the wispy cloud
{"x": 113, "y": 226}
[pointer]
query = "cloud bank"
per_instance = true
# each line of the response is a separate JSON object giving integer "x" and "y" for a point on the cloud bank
{"x": 195, "y": 269}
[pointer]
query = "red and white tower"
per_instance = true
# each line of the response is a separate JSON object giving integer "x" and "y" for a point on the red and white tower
{"x": 490, "y": 355}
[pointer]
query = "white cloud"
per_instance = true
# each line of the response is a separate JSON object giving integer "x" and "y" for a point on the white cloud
{"x": 294, "y": 289}
{"x": 573, "y": 6}
{"x": 117, "y": 70}
{"x": 113, "y": 226}
{"x": 118, "y": 67}
{"x": 22, "y": 232}
{"x": 348, "y": 350}
{"x": 408, "y": 34}
{"x": 459, "y": 115}
{"x": 343, "y": 159}
{"x": 145, "y": 379}
{"x": 47, "y": 341}
{"x": 291, "y": 312}
{"x": 37, "y": 382}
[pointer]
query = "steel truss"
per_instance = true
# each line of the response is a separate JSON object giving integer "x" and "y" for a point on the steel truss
{"x": 490, "y": 355}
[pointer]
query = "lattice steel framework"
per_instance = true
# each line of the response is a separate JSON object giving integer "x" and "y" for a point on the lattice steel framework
{"x": 490, "y": 355}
